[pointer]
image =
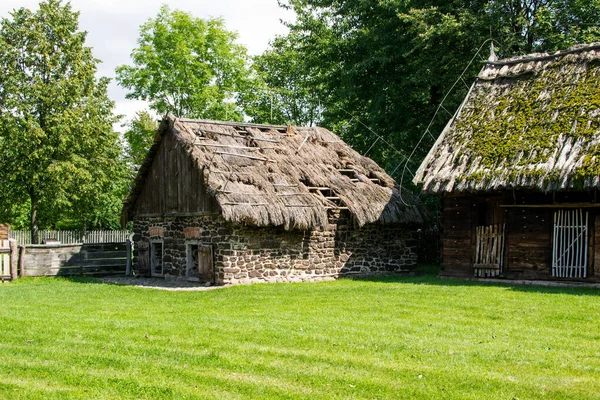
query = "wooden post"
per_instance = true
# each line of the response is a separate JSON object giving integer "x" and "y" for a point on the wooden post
{"x": 14, "y": 255}
{"x": 21, "y": 261}
{"x": 129, "y": 256}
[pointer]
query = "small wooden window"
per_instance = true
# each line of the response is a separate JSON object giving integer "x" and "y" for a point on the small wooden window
{"x": 199, "y": 262}
{"x": 156, "y": 258}
{"x": 570, "y": 249}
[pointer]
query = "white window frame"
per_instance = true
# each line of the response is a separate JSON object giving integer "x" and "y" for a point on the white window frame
{"x": 153, "y": 244}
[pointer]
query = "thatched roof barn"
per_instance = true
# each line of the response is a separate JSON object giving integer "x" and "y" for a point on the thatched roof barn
{"x": 528, "y": 122}
{"x": 271, "y": 175}
{"x": 518, "y": 168}
{"x": 250, "y": 175}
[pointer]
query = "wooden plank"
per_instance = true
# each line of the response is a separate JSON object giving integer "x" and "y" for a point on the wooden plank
{"x": 128, "y": 265}
{"x": 170, "y": 173}
{"x": 231, "y": 146}
{"x": 205, "y": 263}
{"x": 14, "y": 255}
{"x": 225, "y": 153}
{"x": 21, "y": 265}
{"x": 595, "y": 249}
{"x": 557, "y": 205}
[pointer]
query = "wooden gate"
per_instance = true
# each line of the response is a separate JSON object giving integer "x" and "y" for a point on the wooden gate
{"x": 570, "y": 244}
{"x": 489, "y": 250}
{"x": 4, "y": 259}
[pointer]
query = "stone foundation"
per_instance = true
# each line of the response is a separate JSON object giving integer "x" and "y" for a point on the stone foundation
{"x": 246, "y": 254}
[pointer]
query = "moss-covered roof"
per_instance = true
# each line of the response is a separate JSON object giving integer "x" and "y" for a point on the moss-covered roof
{"x": 531, "y": 122}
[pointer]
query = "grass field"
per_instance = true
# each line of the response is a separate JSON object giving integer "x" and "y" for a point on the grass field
{"x": 419, "y": 337}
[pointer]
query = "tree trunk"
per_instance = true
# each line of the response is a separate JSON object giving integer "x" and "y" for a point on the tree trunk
{"x": 34, "y": 224}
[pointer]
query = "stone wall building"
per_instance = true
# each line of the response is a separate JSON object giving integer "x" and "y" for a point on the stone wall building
{"x": 227, "y": 203}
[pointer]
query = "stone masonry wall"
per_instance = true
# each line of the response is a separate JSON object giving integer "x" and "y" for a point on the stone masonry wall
{"x": 245, "y": 254}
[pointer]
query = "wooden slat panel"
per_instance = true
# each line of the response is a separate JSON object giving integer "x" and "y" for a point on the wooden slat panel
{"x": 456, "y": 249}
{"x": 596, "y": 246}
{"x": 205, "y": 263}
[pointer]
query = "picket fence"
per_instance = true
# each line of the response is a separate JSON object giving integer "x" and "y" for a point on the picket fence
{"x": 72, "y": 237}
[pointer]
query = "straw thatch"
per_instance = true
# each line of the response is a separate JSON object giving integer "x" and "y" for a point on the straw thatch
{"x": 284, "y": 182}
{"x": 530, "y": 122}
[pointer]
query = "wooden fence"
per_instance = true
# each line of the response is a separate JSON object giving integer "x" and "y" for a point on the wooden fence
{"x": 72, "y": 237}
{"x": 8, "y": 259}
{"x": 76, "y": 259}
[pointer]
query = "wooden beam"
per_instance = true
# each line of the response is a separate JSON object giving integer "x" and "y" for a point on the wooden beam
{"x": 14, "y": 255}
{"x": 556, "y": 205}
{"x": 239, "y": 136}
{"x": 244, "y": 204}
{"x": 302, "y": 144}
{"x": 21, "y": 265}
{"x": 234, "y": 124}
{"x": 231, "y": 146}
{"x": 224, "y": 153}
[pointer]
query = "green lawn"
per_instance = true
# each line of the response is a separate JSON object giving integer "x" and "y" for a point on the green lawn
{"x": 418, "y": 337}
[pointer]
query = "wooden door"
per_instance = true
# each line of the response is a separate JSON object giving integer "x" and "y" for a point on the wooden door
{"x": 143, "y": 259}
{"x": 205, "y": 263}
{"x": 200, "y": 262}
{"x": 488, "y": 256}
{"x": 570, "y": 244}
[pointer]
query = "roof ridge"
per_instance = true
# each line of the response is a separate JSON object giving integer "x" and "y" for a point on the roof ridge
{"x": 228, "y": 123}
{"x": 545, "y": 56}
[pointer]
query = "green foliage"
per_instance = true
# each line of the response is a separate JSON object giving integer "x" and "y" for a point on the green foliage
{"x": 544, "y": 25}
{"x": 140, "y": 136}
{"x": 386, "y": 338}
{"x": 283, "y": 93}
{"x": 187, "y": 66}
{"x": 58, "y": 151}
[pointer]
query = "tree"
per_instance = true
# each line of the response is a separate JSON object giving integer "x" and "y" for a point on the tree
{"x": 187, "y": 66}
{"x": 283, "y": 91}
{"x": 140, "y": 136}
{"x": 523, "y": 26}
{"x": 58, "y": 151}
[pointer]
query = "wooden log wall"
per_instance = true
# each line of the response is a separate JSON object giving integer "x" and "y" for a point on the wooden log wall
{"x": 4, "y": 232}
{"x": 174, "y": 184}
{"x": 82, "y": 260}
{"x": 529, "y": 240}
{"x": 457, "y": 236}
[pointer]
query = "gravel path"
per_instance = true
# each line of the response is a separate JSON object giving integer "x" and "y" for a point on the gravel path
{"x": 158, "y": 283}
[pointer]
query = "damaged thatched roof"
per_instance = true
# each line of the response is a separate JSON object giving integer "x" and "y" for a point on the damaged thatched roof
{"x": 528, "y": 122}
{"x": 283, "y": 176}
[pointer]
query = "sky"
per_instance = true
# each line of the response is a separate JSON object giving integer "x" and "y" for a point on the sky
{"x": 113, "y": 27}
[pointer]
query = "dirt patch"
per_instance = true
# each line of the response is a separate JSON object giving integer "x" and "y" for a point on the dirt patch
{"x": 158, "y": 283}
